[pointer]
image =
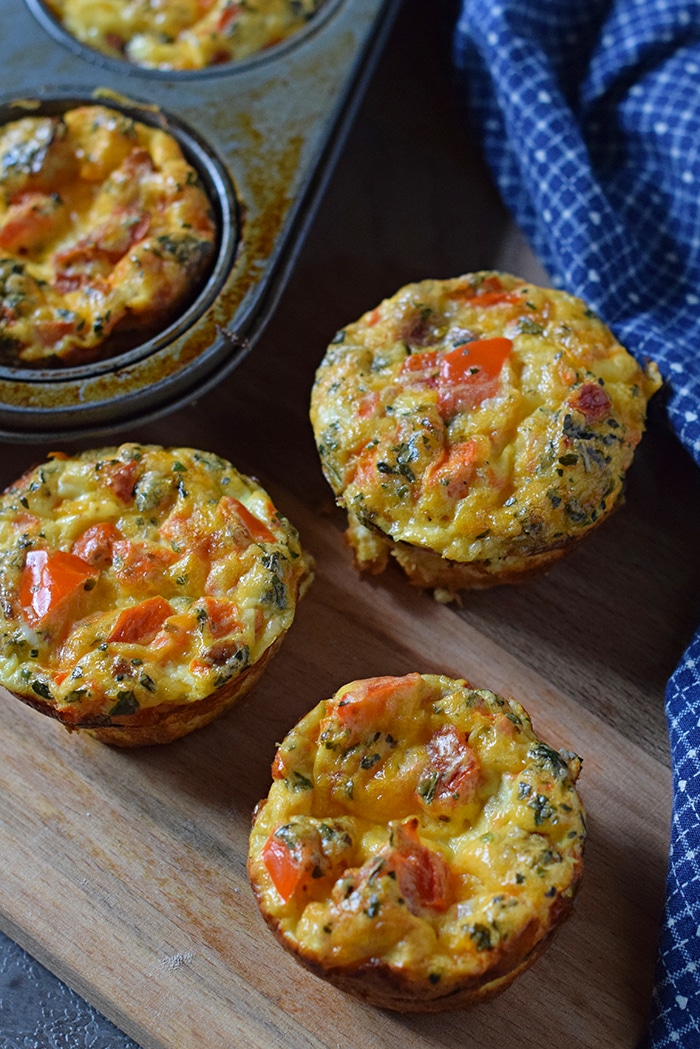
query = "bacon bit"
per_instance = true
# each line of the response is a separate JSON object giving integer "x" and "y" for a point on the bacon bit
{"x": 141, "y": 623}
{"x": 95, "y": 544}
{"x": 592, "y": 400}
{"x": 121, "y": 479}
{"x": 456, "y": 469}
{"x": 423, "y": 874}
{"x": 114, "y": 40}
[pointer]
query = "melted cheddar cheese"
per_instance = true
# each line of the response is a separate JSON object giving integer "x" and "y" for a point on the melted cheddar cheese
{"x": 105, "y": 234}
{"x": 419, "y": 827}
{"x": 482, "y": 419}
{"x": 187, "y": 34}
{"x": 139, "y": 577}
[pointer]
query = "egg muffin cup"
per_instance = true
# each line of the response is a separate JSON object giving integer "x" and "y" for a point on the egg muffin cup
{"x": 106, "y": 235}
{"x": 185, "y": 35}
{"x": 420, "y": 845}
{"x": 476, "y": 429}
{"x": 143, "y": 590}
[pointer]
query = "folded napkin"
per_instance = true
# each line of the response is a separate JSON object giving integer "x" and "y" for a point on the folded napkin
{"x": 590, "y": 116}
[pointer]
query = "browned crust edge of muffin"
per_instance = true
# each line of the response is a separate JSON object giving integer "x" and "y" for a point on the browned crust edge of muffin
{"x": 162, "y": 723}
{"x": 377, "y": 984}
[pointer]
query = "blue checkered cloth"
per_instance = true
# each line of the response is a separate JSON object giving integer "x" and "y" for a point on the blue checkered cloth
{"x": 589, "y": 112}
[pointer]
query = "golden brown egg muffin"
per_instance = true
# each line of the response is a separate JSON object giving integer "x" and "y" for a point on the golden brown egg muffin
{"x": 419, "y": 845}
{"x": 476, "y": 428}
{"x": 189, "y": 34}
{"x": 142, "y": 589}
{"x": 106, "y": 234}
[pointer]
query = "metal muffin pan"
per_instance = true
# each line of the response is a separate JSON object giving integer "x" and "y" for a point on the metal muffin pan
{"x": 263, "y": 134}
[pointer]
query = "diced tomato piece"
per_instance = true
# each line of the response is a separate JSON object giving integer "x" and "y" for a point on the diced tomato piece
{"x": 137, "y": 563}
{"x": 173, "y": 638}
{"x": 95, "y": 544}
{"x": 257, "y": 529}
{"x": 422, "y": 873}
{"x": 50, "y": 333}
{"x": 485, "y": 356}
{"x": 420, "y": 362}
{"x": 28, "y": 221}
{"x": 24, "y": 522}
{"x": 368, "y": 405}
{"x": 456, "y": 469}
{"x": 50, "y": 580}
{"x": 592, "y": 400}
{"x": 368, "y": 701}
{"x": 456, "y": 765}
{"x": 222, "y": 615}
{"x": 488, "y": 292}
{"x": 229, "y": 14}
{"x": 281, "y": 866}
{"x": 279, "y": 770}
{"x": 140, "y": 623}
{"x": 470, "y": 373}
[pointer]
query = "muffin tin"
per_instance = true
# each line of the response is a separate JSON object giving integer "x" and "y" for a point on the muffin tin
{"x": 262, "y": 134}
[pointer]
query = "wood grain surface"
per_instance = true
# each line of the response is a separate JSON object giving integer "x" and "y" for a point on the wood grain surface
{"x": 124, "y": 872}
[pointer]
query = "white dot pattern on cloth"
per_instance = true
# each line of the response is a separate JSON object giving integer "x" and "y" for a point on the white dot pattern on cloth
{"x": 590, "y": 116}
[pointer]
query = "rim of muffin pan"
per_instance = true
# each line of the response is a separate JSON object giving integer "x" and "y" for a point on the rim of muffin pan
{"x": 222, "y": 198}
{"x": 125, "y": 67}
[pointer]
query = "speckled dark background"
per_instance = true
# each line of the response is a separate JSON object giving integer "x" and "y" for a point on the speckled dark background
{"x": 37, "y": 1011}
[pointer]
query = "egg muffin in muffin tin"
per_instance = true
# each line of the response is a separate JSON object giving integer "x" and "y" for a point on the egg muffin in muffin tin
{"x": 106, "y": 233}
{"x": 476, "y": 428}
{"x": 142, "y": 589}
{"x": 189, "y": 34}
{"x": 419, "y": 845}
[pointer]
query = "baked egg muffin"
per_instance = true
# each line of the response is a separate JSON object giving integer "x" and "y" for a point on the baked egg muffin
{"x": 106, "y": 235}
{"x": 189, "y": 34}
{"x": 476, "y": 428}
{"x": 143, "y": 590}
{"x": 420, "y": 845}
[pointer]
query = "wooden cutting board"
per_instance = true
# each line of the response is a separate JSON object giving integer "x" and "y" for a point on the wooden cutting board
{"x": 125, "y": 871}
